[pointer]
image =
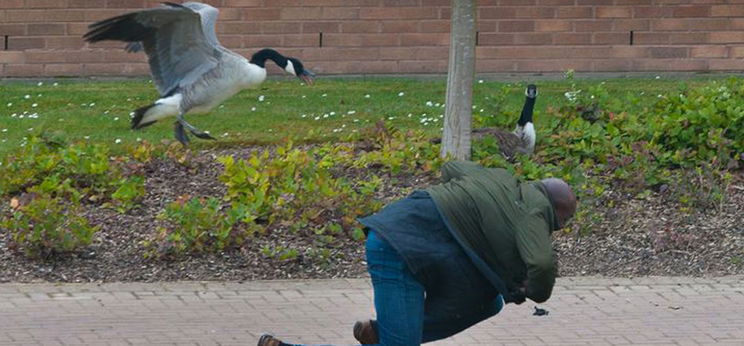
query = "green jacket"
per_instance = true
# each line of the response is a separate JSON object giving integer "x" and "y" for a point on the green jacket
{"x": 506, "y": 223}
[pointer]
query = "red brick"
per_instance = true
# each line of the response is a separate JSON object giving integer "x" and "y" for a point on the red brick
{"x": 516, "y": 26}
{"x": 687, "y": 38}
{"x": 338, "y": 13}
{"x": 535, "y": 12}
{"x": 669, "y": 65}
{"x": 489, "y": 39}
{"x": 634, "y": 2}
{"x": 630, "y": 24}
{"x": 575, "y": 12}
{"x": 592, "y": 25}
{"x": 23, "y": 70}
{"x": 709, "y": 24}
{"x": 261, "y": 14}
{"x": 86, "y": 3}
{"x": 709, "y": 52}
{"x": 398, "y": 13}
{"x": 238, "y": 28}
{"x": 398, "y": 26}
{"x": 613, "y": 12}
{"x": 431, "y": 66}
{"x": 230, "y": 14}
{"x": 734, "y": 65}
{"x": 496, "y": 13}
{"x": 490, "y": 65}
{"x": 46, "y": 29}
{"x": 652, "y": 12}
{"x": 594, "y": 2}
{"x": 435, "y": 26}
{"x": 569, "y": 38}
{"x": 362, "y": 26}
{"x": 46, "y": 3}
{"x": 399, "y": 3}
{"x": 96, "y": 15}
{"x": 318, "y": 26}
{"x": 628, "y": 52}
{"x": 692, "y": 11}
{"x": 43, "y": 57}
{"x": 243, "y": 3}
{"x": 737, "y": 52}
{"x": 23, "y": 43}
{"x": 610, "y": 38}
{"x": 553, "y": 65}
{"x": 395, "y": 53}
{"x": 280, "y": 28}
{"x": 552, "y": 25}
{"x": 360, "y": 40}
{"x": 671, "y": 24}
{"x": 130, "y": 4}
{"x": 737, "y": 23}
{"x": 533, "y": 38}
{"x": 650, "y": 38}
{"x": 11, "y": 4}
{"x": 727, "y": 11}
{"x": 306, "y": 40}
{"x": 425, "y": 53}
{"x": 68, "y": 42}
{"x": 346, "y": 54}
{"x": 555, "y": 2}
{"x": 13, "y": 29}
{"x": 517, "y": 2}
{"x": 727, "y": 37}
{"x": 668, "y": 52}
{"x": 423, "y": 39}
{"x": 77, "y": 29}
{"x": 612, "y": 65}
{"x": 11, "y": 57}
{"x": 231, "y": 41}
{"x": 261, "y": 41}
{"x": 63, "y": 70}
{"x": 301, "y": 13}
{"x": 31, "y": 16}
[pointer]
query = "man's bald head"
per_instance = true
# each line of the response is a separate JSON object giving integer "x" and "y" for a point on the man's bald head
{"x": 563, "y": 198}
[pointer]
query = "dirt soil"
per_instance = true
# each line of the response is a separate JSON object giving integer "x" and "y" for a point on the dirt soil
{"x": 636, "y": 237}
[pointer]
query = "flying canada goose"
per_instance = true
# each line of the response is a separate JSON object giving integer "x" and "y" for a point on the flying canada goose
{"x": 522, "y": 139}
{"x": 192, "y": 71}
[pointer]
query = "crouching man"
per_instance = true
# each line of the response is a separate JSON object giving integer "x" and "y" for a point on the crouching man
{"x": 445, "y": 258}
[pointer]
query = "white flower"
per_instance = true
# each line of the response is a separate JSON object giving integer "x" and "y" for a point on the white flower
{"x": 658, "y": 77}
{"x": 139, "y": 139}
{"x": 116, "y": 118}
{"x": 351, "y": 112}
{"x": 391, "y": 118}
{"x": 27, "y": 97}
{"x": 480, "y": 81}
{"x": 333, "y": 113}
{"x": 117, "y": 141}
{"x": 92, "y": 104}
{"x": 253, "y": 109}
{"x": 410, "y": 115}
{"x": 324, "y": 95}
{"x": 225, "y": 134}
{"x": 325, "y": 115}
{"x": 429, "y": 103}
{"x": 34, "y": 105}
{"x": 303, "y": 116}
{"x": 401, "y": 93}
{"x": 261, "y": 98}
{"x": 55, "y": 84}
{"x": 437, "y": 105}
{"x": 317, "y": 118}
{"x": 367, "y": 96}
{"x": 87, "y": 137}
{"x": 5, "y": 130}
{"x": 481, "y": 110}
{"x": 10, "y": 104}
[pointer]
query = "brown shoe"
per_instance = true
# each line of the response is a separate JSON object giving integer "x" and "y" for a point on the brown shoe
{"x": 365, "y": 332}
{"x": 268, "y": 340}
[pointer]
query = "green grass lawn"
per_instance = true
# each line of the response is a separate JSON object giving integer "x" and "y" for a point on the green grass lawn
{"x": 331, "y": 109}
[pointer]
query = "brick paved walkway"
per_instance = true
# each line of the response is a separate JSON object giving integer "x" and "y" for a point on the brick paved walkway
{"x": 583, "y": 311}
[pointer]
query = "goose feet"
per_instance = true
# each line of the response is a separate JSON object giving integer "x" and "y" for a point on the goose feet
{"x": 181, "y": 135}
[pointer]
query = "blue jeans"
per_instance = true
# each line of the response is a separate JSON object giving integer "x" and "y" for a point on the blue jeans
{"x": 405, "y": 314}
{"x": 400, "y": 302}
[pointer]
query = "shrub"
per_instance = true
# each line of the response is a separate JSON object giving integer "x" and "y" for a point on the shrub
{"x": 46, "y": 226}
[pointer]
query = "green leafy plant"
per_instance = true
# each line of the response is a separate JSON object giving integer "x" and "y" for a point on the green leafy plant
{"x": 46, "y": 226}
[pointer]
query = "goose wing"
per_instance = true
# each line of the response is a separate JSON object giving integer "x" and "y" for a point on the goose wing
{"x": 209, "y": 16}
{"x": 177, "y": 48}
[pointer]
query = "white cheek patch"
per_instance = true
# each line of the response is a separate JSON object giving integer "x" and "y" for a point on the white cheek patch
{"x": 290, "y": 68}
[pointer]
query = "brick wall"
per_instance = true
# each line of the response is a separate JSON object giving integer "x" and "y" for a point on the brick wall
{"x": 43, "y": 37}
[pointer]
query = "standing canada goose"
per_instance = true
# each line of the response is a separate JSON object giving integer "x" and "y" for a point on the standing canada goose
{"x": 522, "y": 139}
{"x": 191, "y": 70}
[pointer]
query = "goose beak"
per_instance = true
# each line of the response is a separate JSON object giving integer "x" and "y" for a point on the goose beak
{"x": 307, "y": 76}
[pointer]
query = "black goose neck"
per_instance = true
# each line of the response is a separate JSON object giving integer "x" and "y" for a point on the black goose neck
{"x": 260, "y": 57}
{"x": 526, "y": 116}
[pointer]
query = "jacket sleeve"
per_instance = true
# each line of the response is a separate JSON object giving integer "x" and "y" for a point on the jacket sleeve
{"x": 458, "y": 169}
{"x": 536, "y": 249}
